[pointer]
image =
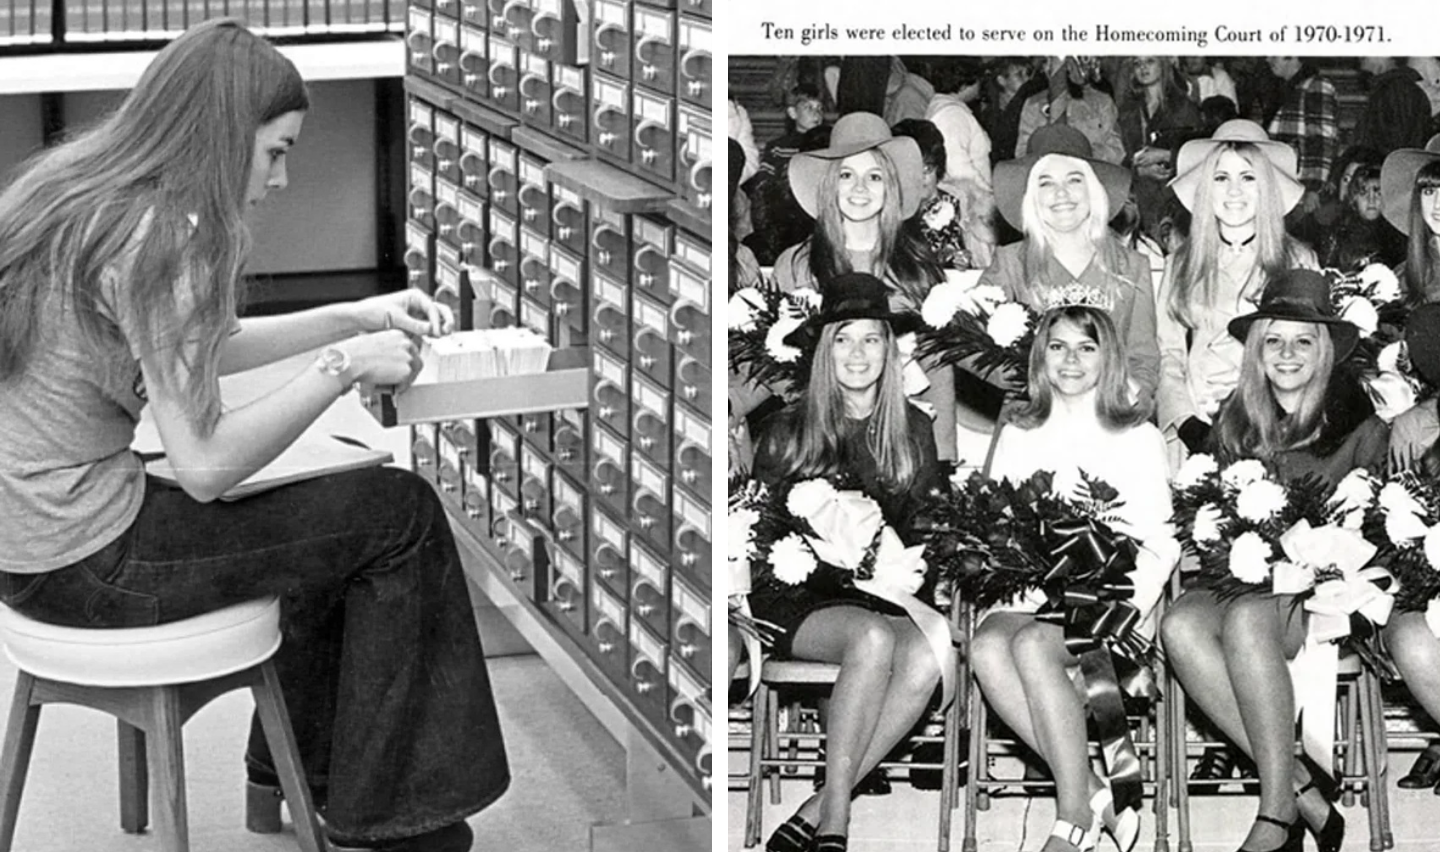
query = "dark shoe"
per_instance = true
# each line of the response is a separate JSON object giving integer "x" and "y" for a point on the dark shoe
{"x": 793, "y": 835}
{"x": 1217, "y": 763}
{"x": 832, "y": 843}
{"x": 1330, "y": 836}
{"x": 263, "y": 796}
{"x": 1425, "y": 772}
{"x": 875, "y": 783}
{"x": 456, "y": 837}
{"x": 1294, "y": 835}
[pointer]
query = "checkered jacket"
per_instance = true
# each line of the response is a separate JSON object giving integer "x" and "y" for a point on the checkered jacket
{"x": 1308, "y": 121}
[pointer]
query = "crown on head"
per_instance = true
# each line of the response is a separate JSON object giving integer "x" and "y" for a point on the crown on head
{"x": 1081, "y": 295}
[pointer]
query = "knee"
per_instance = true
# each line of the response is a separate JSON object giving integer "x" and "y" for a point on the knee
{"x": 1185, "y": 627}
{"x": 989, "y": 652}
{"x": 915, "y": 664}
{"x": 872, "y": 642}
{"x": 1411, "y": 644}
{"x": 1035, "y": 646}
{"x": 1248, "y": 618}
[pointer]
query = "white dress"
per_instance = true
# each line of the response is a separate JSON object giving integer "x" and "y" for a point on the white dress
{"x": 1131, "y": 461}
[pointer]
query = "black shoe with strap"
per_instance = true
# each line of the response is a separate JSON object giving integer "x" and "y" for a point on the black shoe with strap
{"x": 1425, "y": 772}
{"x": 1294, "y": 835}
{"x": 793, "y": 835}
{"x": 1330, "y": 836}
{"x": 832, "y": 843}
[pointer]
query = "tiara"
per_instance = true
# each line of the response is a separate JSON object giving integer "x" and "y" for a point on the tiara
{"x": 1079, "y": 295}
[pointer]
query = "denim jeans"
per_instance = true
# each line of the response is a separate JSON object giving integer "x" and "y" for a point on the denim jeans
{"x": 380, "y": 665}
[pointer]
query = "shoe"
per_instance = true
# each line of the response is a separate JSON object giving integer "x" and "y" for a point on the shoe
{"x": 875, "y": 783}
{"x": 1081, "y": 837}
{"x": 793, "y": 835}
{"x": 456, "y": 837}
{"x": 1330, "y": 836}
{"x": 831, "y": 843}
{"x": 1294, "y": 835}
{"x": 263, "y": 796}
{"x": 1217, "y": 763}
{"x": 1123, "y": 826}
{"x": 1425, "y": 772}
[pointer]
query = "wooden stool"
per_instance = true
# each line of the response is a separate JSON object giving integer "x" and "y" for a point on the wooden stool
{"x": 152, "y": 680}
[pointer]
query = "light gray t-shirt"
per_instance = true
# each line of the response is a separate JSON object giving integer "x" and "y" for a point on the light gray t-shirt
{"x": 69, "y": 484}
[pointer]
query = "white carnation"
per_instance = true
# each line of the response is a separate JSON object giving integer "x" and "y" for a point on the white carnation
{"x": 808, "y": 497}
{"x": 1250, "y": 558}
{"x": 1260, "y": 500}
{"x": 1380, "y": 282}
{"x": 1395, "y": 498}
{"x": 775, "y": 340}
{"x": 791, "y": 559}
{"x": 1008, "y": 324}
{"x": 940, "y": 215}
{"x": 1206, "y": 528}
{"x": 943, "y": 300}
{"x": 1195, "y": 470}
{"x": 1358, "y": 311}
{"x": 742, "y": 308}
{"x": 1432, "y": 548}
{"x": 1242, "y": 473}
{"x": 1355, "y": 491}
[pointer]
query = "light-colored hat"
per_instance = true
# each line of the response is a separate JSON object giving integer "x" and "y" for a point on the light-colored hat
{"x": 1012, "y": 176}
{"x": 853, "y": 133}
{"x": 1193, "y": 153}
{"x": 1397, "y": 180}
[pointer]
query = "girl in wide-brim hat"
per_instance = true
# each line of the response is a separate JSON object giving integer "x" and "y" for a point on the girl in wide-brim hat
{"x": 1302, "y": 416}
{"x": 854, "y": 423}
{"x": 1410, "y": 193}
{"x": 1062, "y": 198}
{"x": 1238, "y": 185}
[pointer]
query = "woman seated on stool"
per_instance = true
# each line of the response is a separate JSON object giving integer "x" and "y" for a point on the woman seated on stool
{"x": 1079, "y": 419}
{"x": 852, "y": 421}
{"x": 121, "y": 253}
{"x": 1297, "y": 412}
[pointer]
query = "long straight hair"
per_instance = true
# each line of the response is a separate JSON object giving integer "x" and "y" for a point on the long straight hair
{"x": 1040, "y": 238}
{"x": 899, "y": 257}
{"x": 1251, "y": 424}
{"x": 154, "y": 194}
{"x": 815, "y": 448}
{"x": 1112, "y": 393}
{"x": 1197, "y": 262}
{"x": 1422, "y": 267}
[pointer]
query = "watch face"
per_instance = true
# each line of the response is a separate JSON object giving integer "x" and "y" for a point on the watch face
{"x": 334, "y": 360}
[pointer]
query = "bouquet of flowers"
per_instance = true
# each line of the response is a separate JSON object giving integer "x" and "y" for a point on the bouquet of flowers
{"x": 1406, "y": 524}
{"x": 813, "y": 534}
{"x": 973, "y": 325}
{"x": 759, "y": 319}
{"x": 1252, "y": 533}
{"x": 1371, "y": 300}
{"x": 1368, "y": 298}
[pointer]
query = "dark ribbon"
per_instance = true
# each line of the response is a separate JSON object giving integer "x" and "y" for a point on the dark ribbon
{"x": 1088, "y": 592}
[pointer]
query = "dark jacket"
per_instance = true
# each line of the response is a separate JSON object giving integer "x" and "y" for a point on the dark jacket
{"x": 1397, "y": 113}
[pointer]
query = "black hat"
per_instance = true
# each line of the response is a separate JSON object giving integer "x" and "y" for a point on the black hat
{"x": 1012, "y": 176}
{"x": 852, "y": 296}
{"x": 1422, "y": 341}
{"x": 1300, "y": 295}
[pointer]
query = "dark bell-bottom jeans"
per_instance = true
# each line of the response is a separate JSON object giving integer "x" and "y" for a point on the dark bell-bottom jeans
{"x": 380, "y": 665}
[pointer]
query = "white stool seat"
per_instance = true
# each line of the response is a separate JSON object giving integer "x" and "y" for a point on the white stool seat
{"x": 201, "y": 648}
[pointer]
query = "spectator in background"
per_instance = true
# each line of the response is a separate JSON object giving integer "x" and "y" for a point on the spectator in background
{"x": 1397, "y": 112}
{"x": 1154, "y": 120}
{"x": 1261, "y": 92}
{"x": 779, "y": 220}
{"x": 1012, "y": 81}
{"x": 1071, "y": 98}
{"x": 862, "y": 84}
{"x": 1307, "y": 121}
{"x": 1313, "y": 228}
{"x": 1215, "y": 111}
{"x": 1428, "y": 67}
{"x": 1361, "y": 235}
{"x": 967, "y": 146}
{"x": 906, "y": 94}
{"x": 1205, "y": 77}
{"x": 955, "y": 226}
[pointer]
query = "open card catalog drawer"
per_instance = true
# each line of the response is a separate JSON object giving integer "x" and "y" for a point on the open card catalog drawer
{"x": 565, "y": 383}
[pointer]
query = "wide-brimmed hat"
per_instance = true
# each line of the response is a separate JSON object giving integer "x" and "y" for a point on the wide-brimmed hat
{"x": 1012, "y": 176}
{"x": 1422, "y": 341}
{"x": 853, "y": 133}
{"x": 852, "y": 296}
{"x": 1300, "y": 295}
{"x": 1397, "y": 180}
{"x": 1193, "y": 153}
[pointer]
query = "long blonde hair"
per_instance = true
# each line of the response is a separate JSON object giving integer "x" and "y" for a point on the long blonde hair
{"x": 1251, "y": 424}
{"x": 161, "y": 182}
{"x": 815, "y": 447}
{"x": 1039, "y": 239}
{"x": 1197, "y": 262}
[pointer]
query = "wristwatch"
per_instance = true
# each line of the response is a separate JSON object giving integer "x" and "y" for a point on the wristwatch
{"x": 334, "y": 361}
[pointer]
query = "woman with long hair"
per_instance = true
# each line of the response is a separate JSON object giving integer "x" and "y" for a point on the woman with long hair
{"x": 860, "y": 191}
{"x": 1079, "y": 421}
{"x": 1299, "y": 413}
{"x": 1062, "y": 198}
{"x": 1238, "y": 185}
{"x": 1155, "y": 117}
{"x": 1410, "y": 191}
{"x": 852, "y": 422}
{"x": 121, "y": 256}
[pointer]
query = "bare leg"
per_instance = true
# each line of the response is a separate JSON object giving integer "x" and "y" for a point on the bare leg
{"x": 1416, "y": 653}
{"x": 992, "y": 657}
{"x": 914, "y": 673}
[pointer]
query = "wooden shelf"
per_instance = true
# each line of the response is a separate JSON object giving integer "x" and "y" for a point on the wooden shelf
{"x": 119, "y": 69}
